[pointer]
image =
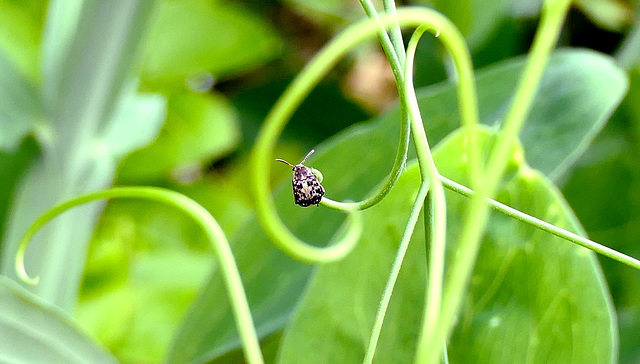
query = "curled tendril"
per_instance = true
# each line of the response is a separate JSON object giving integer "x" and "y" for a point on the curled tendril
{"x": 215, "y": 235}
{"x": 262, "y": 154}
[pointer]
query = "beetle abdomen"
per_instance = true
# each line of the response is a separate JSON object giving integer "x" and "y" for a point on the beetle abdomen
{"x": 307, "y": 191}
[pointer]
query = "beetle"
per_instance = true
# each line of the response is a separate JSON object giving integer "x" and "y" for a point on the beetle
{"x": 307, "y": 189}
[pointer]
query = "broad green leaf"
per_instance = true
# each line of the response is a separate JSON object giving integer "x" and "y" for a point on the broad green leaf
{"x": 571, "y": 108}
{"x": 20, "y": 105}
{"x": 199, "y": 128}
{"x": 190, "y": 37}
{"x": 579, "y": 91}
{"x": 34, "y": 332}
{"x": 544, "y": 296}
{"x": 355, "y": 161}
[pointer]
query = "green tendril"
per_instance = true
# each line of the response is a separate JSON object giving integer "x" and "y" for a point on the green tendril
{"x": 545, "y": 226}
{"x": 395, "y": 271}
{"x": 203, "y": 218}
{"x": 393, "y": 47}
{"x": 293, "y": 96}
{"x": 429, "y": 348}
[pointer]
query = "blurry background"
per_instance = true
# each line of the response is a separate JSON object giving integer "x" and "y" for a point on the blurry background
{"x": 202, "y": 75}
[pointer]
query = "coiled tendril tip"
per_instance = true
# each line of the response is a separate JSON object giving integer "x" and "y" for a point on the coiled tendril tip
{"x": 22, "y": 274}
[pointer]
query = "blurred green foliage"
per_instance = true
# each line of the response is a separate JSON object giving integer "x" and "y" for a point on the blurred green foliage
{"x": 214, "y": 68}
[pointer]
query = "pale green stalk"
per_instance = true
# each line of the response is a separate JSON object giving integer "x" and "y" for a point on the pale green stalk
{"x": 438, "y": 222}
{"x": 395, "y": 33}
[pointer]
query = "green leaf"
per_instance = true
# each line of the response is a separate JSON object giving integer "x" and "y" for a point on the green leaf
{"x": 20, "y": 106}
{"x": 137, "y": 121}
{"x": 352, "y": 166}
{"x": 20, "y": 33}
{"x": 571, "y": 108}
{"x": 34, "y": 332}
{"x": 544, "y": 296}
{"x": 199, "y": 128}
{"x": 194, "y": 36}
{"x": 579, "y": 91}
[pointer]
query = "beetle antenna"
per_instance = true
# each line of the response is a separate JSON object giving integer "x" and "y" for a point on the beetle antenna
{"x": 285, "y": 162}
{"x": 308, "y": 155}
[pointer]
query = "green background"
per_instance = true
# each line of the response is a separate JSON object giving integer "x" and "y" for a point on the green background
{"x": 172, "y": 93}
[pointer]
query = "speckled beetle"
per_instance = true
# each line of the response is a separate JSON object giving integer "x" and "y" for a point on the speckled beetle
{"x": 307, "y": 190}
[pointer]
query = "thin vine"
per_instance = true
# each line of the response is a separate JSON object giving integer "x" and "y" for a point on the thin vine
{"x": 393, "y": 47}
{"x": 262, "y": 155}
{"x": 213, "y": 231}
{"x": 395, "y": 271}
{"x": 545, "y": 226}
